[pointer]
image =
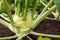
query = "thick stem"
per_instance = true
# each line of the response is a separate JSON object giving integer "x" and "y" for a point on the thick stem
{"x": 29, "y": 38}
{"x": 19, "y": 39}
{"x": 42, "y": 2}
{"x": 17, "y": 7}
{"x": 50, "y": 18}
{"x": 6, "y": 24}
{"x": 4, "y": 18}
{"x": 7, "y": 38}
{"x": 41, "y": 17}
{"x": 48, "y": 35}
{"x": 46, "y": 7}
{"x": 25, "y": 10}
{"x": 34, "y": 8}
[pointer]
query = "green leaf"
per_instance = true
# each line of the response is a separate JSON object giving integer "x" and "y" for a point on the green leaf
{"x": 57, "y": 3}
{"x": 30, "y": 2}
{"x": 40, "y": 38}
{"x": 2, "y": 8}
{"x": 47, "y": 39}
{"x": 17, "y": 3}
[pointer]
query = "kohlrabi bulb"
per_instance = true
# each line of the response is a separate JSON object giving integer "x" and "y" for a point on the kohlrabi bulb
{"x": 21, "y": 24}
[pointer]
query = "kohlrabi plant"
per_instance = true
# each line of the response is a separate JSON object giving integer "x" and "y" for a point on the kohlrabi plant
{"x": 26, "y": 17}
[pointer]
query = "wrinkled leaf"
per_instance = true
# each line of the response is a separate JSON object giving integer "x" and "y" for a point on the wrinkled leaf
{"x": 41, "y": 38}
{"x": 47, "y": 39}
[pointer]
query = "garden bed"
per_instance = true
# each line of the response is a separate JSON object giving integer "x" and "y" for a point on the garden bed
{"x": 30, "y": 20}
{"x": 47, "y": 26}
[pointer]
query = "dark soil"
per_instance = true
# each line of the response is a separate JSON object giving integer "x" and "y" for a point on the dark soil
{"x": 49, "y": 27}
{"x": 13, "y": 10}
{"x": 5, "y": 32}
{"x": 51, "y": 16}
